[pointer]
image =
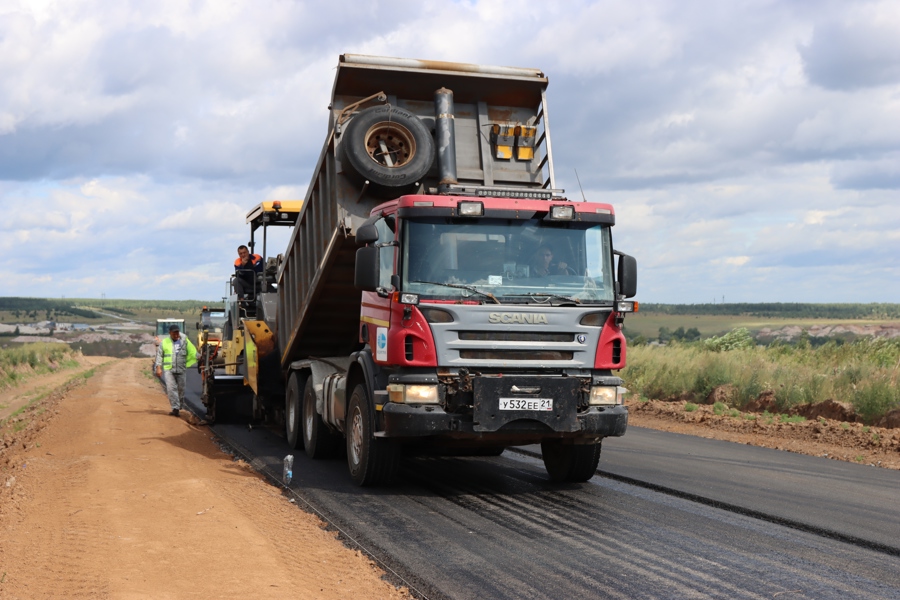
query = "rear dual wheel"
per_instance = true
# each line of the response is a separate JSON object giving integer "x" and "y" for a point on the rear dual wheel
{"x": 319, "y": 441}
{"x": 293, "y": 411}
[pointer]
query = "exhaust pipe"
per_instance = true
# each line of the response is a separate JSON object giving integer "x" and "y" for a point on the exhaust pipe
{"x": 446, "y": 139}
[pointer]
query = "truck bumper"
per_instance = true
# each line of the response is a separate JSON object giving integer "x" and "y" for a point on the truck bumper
{"x": 411, "y": 421}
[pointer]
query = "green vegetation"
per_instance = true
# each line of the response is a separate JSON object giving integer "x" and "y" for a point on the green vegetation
{"x": 679, "y": 335}
{"x": 791, "y": 419}
{"x": 864, "y": 373}
{"x": 22, "y": 409}
{"x": 689, "y": 407}
{"x": 733, "y": 340}
{"x": 36, "y": 358}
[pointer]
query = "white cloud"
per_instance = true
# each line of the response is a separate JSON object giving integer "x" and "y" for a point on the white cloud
{"x": 746, "y": 148}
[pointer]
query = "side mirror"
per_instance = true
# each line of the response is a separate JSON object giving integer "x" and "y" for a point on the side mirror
{"x": 367, "y": 268}
{"x": 366, "y": 234}
{"x": 627, "y": 276}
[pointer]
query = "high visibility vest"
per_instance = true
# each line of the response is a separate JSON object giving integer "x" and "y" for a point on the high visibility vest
{"x": 167, "y": 346}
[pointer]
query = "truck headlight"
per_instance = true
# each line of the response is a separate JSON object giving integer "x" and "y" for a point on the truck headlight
{"x": 627, "y": 306}
{"x": 413, "y": 394}
{"x": 607, "y": 395}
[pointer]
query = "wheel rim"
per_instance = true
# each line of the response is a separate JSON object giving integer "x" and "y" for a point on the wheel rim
{"x": 292, "y": 413}
{"x": 390, "y": 144}
{"x": 356, "y": 437}
{"x": 308, "y": 419}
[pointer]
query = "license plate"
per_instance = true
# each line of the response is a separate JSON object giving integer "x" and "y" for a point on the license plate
{"x": 526, "y": 404}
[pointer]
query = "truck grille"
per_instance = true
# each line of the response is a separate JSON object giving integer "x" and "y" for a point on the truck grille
{"x": 557, "y": 339}
{"x": 515, "y": 336}
{"x": 516, "y": 355}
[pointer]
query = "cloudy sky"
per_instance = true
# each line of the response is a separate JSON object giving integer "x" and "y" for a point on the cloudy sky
{"x": 751, "y": 148}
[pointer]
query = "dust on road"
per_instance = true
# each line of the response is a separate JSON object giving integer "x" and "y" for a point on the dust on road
{"x": 104, "y": 495}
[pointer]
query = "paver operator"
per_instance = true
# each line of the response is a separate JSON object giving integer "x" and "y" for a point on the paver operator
{"x": 173, "y": 357}
{"x": 246, "y": 267}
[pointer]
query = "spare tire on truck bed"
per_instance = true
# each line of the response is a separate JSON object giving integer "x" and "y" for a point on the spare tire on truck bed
{"x": 389, "y": 147}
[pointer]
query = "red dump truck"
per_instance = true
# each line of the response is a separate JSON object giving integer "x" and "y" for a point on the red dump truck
{"x": 438, "y": 292}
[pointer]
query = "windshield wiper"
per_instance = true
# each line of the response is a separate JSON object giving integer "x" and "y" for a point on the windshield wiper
{"x": 549, "y": 297}
{"x": 461, "y": 286}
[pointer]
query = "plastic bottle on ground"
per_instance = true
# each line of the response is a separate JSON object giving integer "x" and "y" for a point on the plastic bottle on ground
{"x": 288, "y": 472}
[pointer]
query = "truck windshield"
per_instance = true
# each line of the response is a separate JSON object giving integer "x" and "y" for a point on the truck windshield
{"x": 511, "y": 260}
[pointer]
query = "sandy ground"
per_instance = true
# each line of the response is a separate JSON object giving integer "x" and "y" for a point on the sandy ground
{"x": 104, "y": 495}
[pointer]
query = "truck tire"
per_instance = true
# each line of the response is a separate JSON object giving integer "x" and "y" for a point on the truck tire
{"x": 293, "y": 414}
{"x": 568, "y": 462}
{"x": 319, "y": 441}
{"x": 372, "y": 461}
{"x": 389, "y": 147}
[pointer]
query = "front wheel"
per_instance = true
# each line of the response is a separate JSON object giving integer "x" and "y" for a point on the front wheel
{"x": 372, "y": 461}
{"x": 569, "y": 462}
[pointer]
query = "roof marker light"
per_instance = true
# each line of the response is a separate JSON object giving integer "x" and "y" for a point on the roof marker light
{"x": 562, "y": 213}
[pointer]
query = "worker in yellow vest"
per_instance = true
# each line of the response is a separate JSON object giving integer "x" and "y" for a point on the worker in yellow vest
{"x": 173, "y": 357}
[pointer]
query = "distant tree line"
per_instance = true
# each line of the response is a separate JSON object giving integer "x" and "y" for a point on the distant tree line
{"x": 779, "y": 309}
{"x": 52, "y": 308}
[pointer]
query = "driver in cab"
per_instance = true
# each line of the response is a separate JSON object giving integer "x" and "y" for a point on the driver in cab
{"x": 542, "y": 263}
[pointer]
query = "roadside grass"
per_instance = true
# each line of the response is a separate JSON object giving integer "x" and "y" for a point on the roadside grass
{"x": 37, "y": 358}
{"x": 148, "y": 373}
{"x": 18, "y": 426}
{"x": 864, "y": 373}
{"x": 792, "y": 419}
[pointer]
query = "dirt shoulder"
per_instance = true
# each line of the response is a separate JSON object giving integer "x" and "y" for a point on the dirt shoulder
{"x": 104, "y": 495}
{"x": 36, "y": 387}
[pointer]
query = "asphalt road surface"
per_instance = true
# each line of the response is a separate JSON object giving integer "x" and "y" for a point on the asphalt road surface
{"x": 669, "y": 516}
